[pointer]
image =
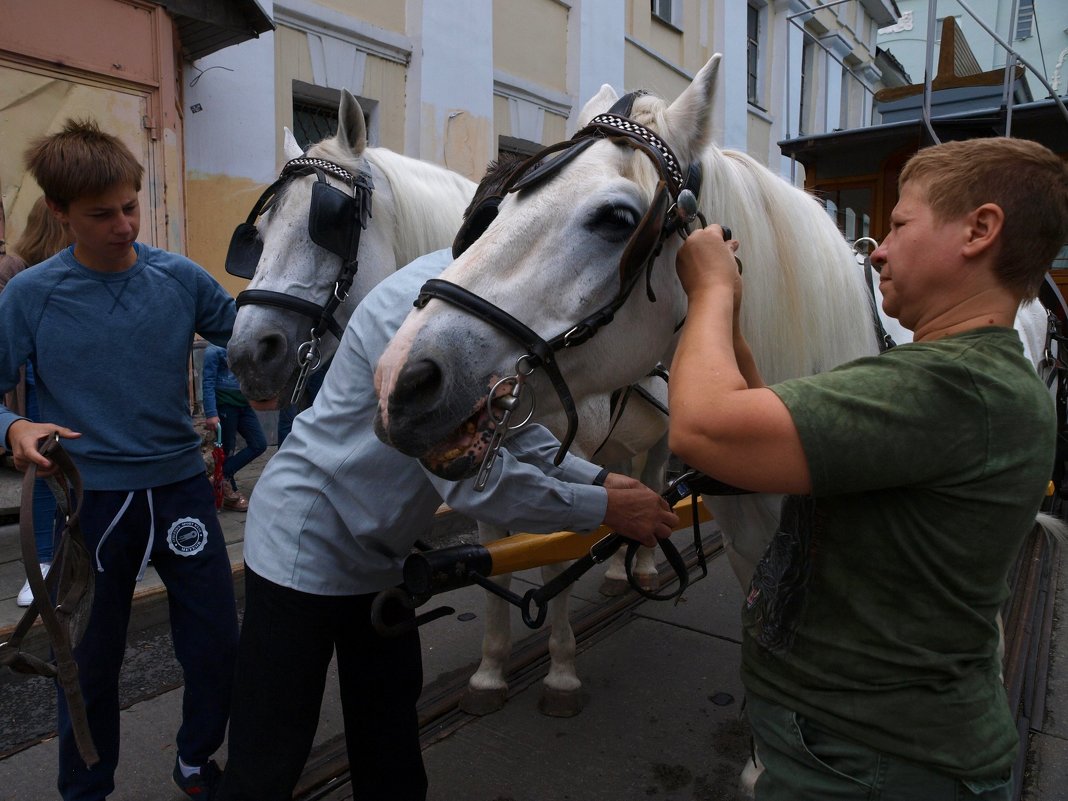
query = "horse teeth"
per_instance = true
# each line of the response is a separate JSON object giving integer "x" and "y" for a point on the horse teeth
{"x": 453, "y": 453}
{"x": 470, "y": 427}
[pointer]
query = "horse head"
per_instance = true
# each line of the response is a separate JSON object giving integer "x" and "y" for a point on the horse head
{"x": 340, "y": 218}
{"x": 580, "y": 255}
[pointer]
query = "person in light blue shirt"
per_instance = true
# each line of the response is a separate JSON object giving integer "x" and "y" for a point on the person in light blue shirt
{"x": 329, "y": 524}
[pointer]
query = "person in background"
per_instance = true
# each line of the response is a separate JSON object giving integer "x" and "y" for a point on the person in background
{"x": 108, "y": 325}
{"x": 44, "y": 236}
{"x": 226, "y": 406}
{"x": 870, "y": 633}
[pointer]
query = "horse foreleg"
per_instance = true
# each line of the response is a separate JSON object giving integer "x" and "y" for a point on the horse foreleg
{"x": 561, "y": 694}
{"x": 487, "y": 689}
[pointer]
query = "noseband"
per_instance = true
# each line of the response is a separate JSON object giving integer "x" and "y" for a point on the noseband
{"x": 665, "y": 215}
{"x": 335, "y": 222}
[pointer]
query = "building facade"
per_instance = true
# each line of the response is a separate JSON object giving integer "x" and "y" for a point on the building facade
{"x": 455, "y": 83}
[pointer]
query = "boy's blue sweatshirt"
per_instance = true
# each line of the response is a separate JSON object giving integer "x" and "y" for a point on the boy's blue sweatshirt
{"x": 110, "y": 354}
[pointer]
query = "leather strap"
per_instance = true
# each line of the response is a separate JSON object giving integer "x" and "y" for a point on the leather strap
{"x": 69, "y": 581}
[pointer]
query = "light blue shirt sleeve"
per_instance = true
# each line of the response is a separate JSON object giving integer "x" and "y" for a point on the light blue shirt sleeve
{"x": 526, "y": 492}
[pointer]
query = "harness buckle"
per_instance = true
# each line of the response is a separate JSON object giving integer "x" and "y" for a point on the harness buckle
{"x": 309, "y": 357}
{"x": 577, "y": 335}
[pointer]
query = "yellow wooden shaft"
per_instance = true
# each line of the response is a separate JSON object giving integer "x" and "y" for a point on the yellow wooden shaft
{"x": 523, "y": 551}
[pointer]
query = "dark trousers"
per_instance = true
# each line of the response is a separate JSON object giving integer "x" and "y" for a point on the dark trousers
{"x": 287, "y": 641}
{"x": 190, "y": 556}
{"x": 240, "y": 420}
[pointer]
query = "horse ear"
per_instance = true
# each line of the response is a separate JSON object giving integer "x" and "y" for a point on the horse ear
{"x": 289, "y": 145}
{"x": 691, "y": 113}
{"x": 598, "y": 104}
{"x": 351, "y": 128}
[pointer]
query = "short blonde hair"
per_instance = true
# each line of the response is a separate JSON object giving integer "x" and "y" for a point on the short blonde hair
{"x": 1025, "y": 179}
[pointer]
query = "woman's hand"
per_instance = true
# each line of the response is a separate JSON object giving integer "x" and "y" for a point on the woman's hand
{"x": 706, "y": 260}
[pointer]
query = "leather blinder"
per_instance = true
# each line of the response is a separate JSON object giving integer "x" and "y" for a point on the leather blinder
{"x": 645, "y": 240}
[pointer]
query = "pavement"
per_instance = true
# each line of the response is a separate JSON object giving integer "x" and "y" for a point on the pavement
{"x": 662, "y": 721}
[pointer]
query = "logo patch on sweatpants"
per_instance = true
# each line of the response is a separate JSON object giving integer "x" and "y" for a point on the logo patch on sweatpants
{"x": 187, "y": 536}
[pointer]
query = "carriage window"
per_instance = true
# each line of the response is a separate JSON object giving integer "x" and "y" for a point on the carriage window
{"x": 1060, "y": 262}
{"x": 850, "y": 207}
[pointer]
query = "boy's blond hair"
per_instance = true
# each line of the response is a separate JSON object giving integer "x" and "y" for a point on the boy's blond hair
{"x": 1027, "y": 180}
{"x": 79, "y": 161}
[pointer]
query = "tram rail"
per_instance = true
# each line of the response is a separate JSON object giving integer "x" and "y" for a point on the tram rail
{"x": 1028, "y": 615}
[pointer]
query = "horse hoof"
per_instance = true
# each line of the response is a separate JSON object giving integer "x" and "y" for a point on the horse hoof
{"x": 483, "y": 702}
{"x": 650, "y": 582}
{"x": 613, "y": 588}
{"x": 561, "y": 703}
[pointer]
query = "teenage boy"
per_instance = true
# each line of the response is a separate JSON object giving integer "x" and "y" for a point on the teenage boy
{"x": 108, "y": 325}
{"x": 870, "y": 639}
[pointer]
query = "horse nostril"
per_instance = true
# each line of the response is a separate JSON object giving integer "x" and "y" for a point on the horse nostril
{"x": 418, "y": 379}
{"x": 271, "y": 348}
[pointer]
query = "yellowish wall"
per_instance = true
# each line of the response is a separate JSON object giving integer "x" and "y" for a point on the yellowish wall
{"x": 530, "y": 41}
{"x": 217, "y": 203}
{"x": 384, "y": 80}
{"x": 502, "y": 117}
{"x": 641, "y": 71}
{"x": 388, "y": 14}
{"x": 758, "y": 137}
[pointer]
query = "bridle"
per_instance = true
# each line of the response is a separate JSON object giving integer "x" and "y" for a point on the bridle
{"x": 672, "y": 209}
{"x": 335, "y": 222}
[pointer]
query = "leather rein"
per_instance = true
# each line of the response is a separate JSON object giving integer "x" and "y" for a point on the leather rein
{"x": 69, "y": 583}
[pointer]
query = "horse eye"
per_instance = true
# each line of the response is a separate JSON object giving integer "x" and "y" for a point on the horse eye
{"x": 614, "y": 223}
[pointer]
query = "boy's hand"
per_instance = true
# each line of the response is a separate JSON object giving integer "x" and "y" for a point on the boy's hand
{"x": 636, "y": 512}
{"x": 23, "y": 436}
{"x": 211, "y": 424}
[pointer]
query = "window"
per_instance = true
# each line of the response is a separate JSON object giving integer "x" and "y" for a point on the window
{"x": 808, "y": 52}
{"x": 312, "y": 122}
{"x": 753, "y": 51}
{"x": 843, "y": 107}
{"x": 1025, "y": 19}
{"x": 315, "y": 113}
{"x": 513, "y": 146}
{"x": 663, "y": 9}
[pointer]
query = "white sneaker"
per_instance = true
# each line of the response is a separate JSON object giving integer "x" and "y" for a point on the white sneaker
{"x": 26, "y": 594}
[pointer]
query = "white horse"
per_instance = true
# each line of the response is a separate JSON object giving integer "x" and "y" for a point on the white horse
{"x": 554, "y": 255}
{"x": 416, "y": 208}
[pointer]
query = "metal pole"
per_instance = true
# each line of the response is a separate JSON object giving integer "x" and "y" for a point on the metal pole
{"x": 928, "y": 77}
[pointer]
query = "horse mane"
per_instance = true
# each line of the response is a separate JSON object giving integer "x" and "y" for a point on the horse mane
{"x": 427, "y": 200}
{"x": 808, "y": 309}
